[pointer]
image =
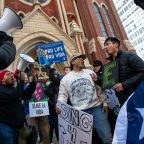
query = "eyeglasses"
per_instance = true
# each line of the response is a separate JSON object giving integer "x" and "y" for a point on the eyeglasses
{"x": 80, "y": 59}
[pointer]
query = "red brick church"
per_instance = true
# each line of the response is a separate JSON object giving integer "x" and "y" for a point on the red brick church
{"x": 82, "y": 25}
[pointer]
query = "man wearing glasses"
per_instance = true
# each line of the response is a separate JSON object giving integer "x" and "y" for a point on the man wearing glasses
{"x": 79, "y": 86}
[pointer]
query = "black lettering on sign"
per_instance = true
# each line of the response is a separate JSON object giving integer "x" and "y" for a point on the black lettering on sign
{"x": 37, "y": 105}
{"x": 73, "y": 133}
{"x": 33, "y": 106}
{"x": 72, "y": 116}
{"x": 39, "y": 111}
{"x": 43, "y": 105}
{"x": 63, "y": 129}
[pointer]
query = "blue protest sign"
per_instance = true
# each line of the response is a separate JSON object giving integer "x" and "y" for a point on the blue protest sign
{"x": 50, "y": 53}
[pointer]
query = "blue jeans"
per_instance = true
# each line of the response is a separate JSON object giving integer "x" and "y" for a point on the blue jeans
{"x": 7, "y": 135}
{"x": 101, "y": 124}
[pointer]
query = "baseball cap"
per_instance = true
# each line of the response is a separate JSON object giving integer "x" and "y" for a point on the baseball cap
{"x": 77, "y": 55}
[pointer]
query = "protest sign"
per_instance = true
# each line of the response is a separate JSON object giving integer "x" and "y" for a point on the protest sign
{"x": 110, "y": 74}
{"x": 38, "y": 105}
{"x": 75, "y": 127}
{"x": 38, "y": 108}
{"x": 50, "y": 53}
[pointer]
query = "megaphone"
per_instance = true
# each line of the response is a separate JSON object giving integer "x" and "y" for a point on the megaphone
{"x": 24, "y": 62}
{"x": 10, "y": 20}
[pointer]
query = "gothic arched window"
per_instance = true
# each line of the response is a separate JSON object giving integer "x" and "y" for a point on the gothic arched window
{"x": 100, "y": 20}
{"x": 108, "y": 20}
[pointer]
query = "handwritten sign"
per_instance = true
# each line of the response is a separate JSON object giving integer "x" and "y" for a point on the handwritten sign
{"x": 50, "y": 53}
{"x": 38, "y": 109}
{"x": 110, "y": 74}
{"x": 75, "y": 127}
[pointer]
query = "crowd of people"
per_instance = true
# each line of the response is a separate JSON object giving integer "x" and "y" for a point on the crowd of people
{"x": 78, "y": 86}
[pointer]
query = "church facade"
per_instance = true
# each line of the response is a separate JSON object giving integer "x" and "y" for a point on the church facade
{"x": 82, "y": 25}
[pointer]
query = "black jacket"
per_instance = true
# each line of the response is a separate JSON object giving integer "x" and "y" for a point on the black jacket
{"x": 7, "y": 50}
{"x": 52, "y": 90}
{"x": 131, "y": 73}
{"x": 52, "y": 93}
{"x": 11, "y": 112}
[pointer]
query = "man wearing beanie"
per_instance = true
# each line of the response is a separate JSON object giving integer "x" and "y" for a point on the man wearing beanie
{"x": 11, "y": 113}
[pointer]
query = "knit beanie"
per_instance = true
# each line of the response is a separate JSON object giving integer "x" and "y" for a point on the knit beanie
{"x": 2, "y": 73}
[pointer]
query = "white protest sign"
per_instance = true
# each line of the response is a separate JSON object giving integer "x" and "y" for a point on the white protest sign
{"x": 112, "y": 100}
{"x": 75, "y": 127}
{"x": 38, "y": 108}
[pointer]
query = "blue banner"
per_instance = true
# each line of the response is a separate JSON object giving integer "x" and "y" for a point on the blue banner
{"x": 50, "y": 53}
